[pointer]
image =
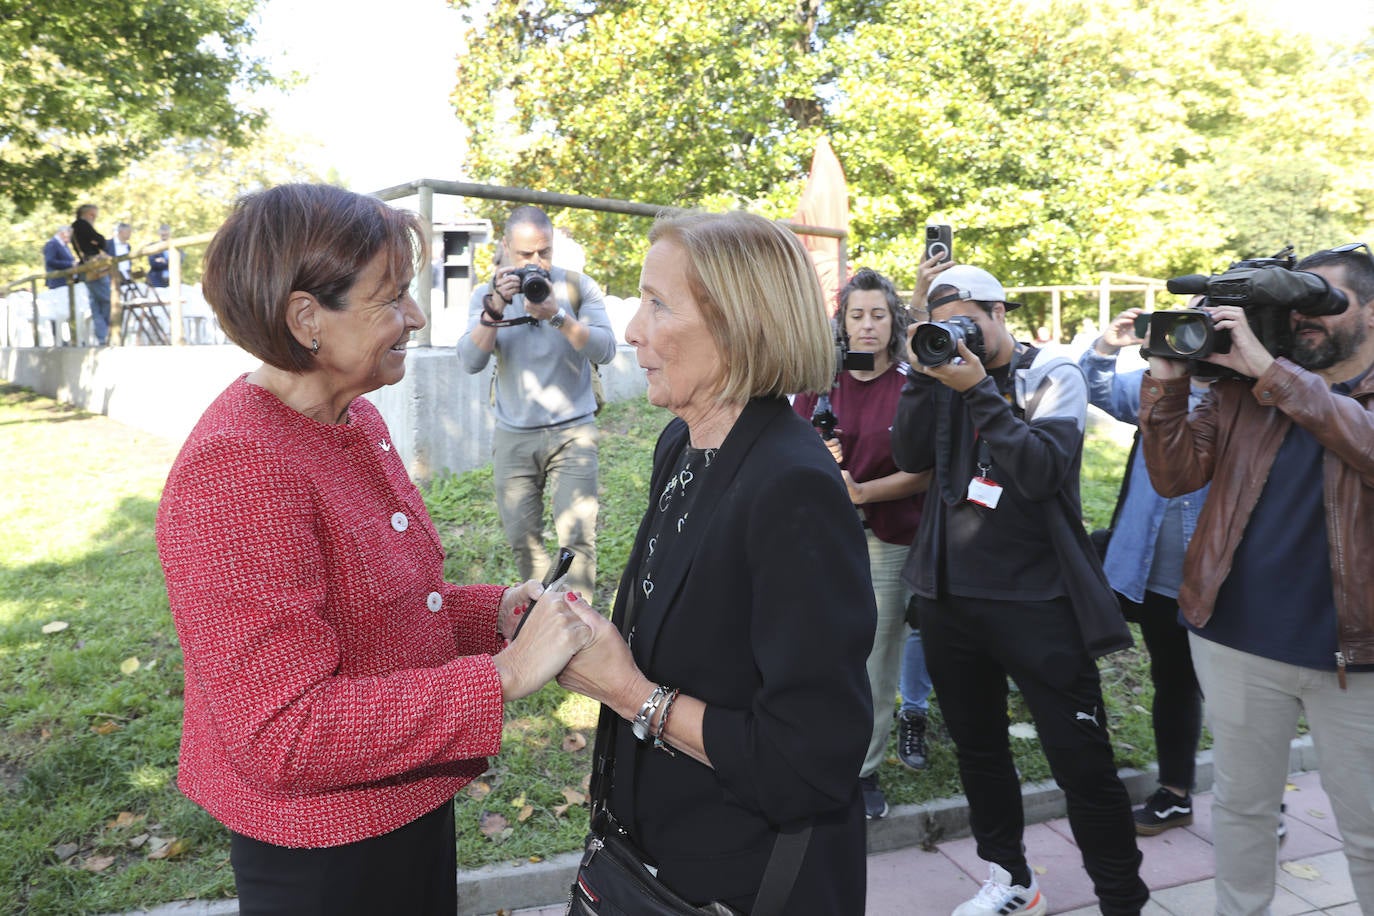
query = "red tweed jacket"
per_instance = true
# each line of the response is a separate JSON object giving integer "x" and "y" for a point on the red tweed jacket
{"x": 336, "y": 687}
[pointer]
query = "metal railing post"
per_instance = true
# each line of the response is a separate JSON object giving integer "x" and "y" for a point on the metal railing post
{"x": 175, "y": 307}
{"x": 424, "y": 284}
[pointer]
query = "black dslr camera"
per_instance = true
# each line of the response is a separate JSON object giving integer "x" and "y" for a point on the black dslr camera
{"x": 823, "y": 416}
{"x": 1268, "y": 289}
{"x": 535, "y": 282}
{"x": 937, "y": 342}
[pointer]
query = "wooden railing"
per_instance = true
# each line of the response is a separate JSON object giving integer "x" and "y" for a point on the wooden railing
{"x": 76, "y": 274}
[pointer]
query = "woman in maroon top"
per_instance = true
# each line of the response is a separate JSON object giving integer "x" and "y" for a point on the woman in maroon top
{"x": 338, "y": 690}
{"x": 873, "y": 320}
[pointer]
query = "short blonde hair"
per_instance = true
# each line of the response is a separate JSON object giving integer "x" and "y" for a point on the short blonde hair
{"x": 761, "y": 302}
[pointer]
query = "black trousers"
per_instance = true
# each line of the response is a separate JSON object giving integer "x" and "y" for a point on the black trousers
{"x": 972, "y": 645}
{"x": 1177, "y": 708}
{"x": 411, "y": 870}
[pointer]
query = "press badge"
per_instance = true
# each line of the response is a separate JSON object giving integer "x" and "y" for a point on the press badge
{"x": 984, "y": 492}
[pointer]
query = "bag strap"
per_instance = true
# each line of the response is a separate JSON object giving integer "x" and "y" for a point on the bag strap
{"x": 783, "y": 867}
{"x": 1125, "y": 479}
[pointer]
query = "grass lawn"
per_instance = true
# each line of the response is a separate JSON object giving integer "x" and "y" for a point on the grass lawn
{"x": 90, "y": 675}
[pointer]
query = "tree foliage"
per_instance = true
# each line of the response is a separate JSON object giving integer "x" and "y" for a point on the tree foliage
{"x": 1060, "y": 138}
{"x": 90, "y": 87}
{"x": 189, "y": 184}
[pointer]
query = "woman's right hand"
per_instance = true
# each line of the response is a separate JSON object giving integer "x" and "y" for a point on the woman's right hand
{"x": 552, "y": 634}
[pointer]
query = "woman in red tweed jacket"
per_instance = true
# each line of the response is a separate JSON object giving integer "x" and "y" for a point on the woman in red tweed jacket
{"x": 338, "y": 690}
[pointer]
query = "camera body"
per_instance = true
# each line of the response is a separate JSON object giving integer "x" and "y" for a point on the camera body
{"x": 937, "y": 342}
{"x": 535, "y": 283}
{"x": 939, "y": 242}
{"x": 823, "y": 417}
{"x": 1267, "y": 289}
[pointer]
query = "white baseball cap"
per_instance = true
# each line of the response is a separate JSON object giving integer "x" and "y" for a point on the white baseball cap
{"x": 969, "y": 282}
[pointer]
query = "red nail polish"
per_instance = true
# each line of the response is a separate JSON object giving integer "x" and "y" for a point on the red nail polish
{"x": 573, "y": 597}
{"x": 520, "y": 609}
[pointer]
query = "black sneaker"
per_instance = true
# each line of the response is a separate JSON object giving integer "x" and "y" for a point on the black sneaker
{"x": 1282, "y": 829}
{"x": 875, "y": 802}
{"x": 911, "y": 739}
{"x": 1161, "y": 811}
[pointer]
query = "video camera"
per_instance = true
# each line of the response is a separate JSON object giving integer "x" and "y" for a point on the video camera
{"x": 823, "y": 416}
{"x": 1267, "y": 289}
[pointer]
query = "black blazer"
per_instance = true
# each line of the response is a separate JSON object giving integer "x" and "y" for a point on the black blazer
{"x": 770, "y": 620}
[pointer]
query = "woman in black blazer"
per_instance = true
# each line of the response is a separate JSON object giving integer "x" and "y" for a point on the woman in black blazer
{"x": 741, "y": 703}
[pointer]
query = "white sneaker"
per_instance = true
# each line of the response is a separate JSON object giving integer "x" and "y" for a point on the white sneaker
{"x": 999, "y": 897}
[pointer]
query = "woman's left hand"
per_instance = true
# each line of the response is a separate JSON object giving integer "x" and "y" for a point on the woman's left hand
{"x": 515, "y": 602}
{"x": 604, "y": 669}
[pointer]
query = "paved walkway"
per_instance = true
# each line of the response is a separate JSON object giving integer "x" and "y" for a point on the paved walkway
{"x": 910, "y": 881}
{"x": 1178, "y": 868}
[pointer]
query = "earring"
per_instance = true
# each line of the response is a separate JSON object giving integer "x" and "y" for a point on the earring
{"x": 314, "y": 346}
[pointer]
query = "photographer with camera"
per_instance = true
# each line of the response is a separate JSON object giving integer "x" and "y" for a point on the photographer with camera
{"x": 1007, "y": 584}
{"x": 546, "y": 326}
{"x": 1277, "y": 590}
{"x": 1144, "y": 564}
{"x": 872, "y": 320}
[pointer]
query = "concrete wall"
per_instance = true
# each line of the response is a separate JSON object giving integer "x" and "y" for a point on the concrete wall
{"x": 438, "y": 414}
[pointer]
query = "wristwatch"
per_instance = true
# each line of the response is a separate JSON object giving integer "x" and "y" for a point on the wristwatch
{"x": 640, "y": 723}
{"x": 558, "y": 318}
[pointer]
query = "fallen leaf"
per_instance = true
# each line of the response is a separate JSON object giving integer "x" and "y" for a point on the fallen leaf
{"x": 1315, "y": 813}
{"x": 479, "y": 789}
{"x": 536, "y": 859}
{"x": 573, "y": 796}
{"x": 518, "y": 801}
{"x": 56, "y": 626}
{"x": 586, "y": 782}
{"x": 124, "y": 819}
{"x": 44, "y": 734}
{"x": 1301, "y": 870}
{"x": 574, "y": 742}
{"x": 156, "y": 844}
{"x": 1039, "y": 869}
{"x": 560, "y": 810}
{"x": 129, "y": 665}
{"x": 65, "y": 851}
{"x": 105, "y": 728}
{"x": 136, "y": 841}
{"x": 171, "y": 850}
{"x": 525, "y": 813}
{"x": 153, "y": 664}
{"x": 97, "y": 864}
{"x": 491, "y": 824}
{"x": 1022, "y": 730}
{"x": 1289, "y": 787}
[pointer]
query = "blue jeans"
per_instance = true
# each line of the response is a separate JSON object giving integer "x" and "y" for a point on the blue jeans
{"x": 915, "y": 685}
{"x": 98, "y": 292}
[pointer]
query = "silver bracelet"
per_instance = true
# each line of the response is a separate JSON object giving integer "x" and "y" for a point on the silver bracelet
{"x": 640, "y": 723}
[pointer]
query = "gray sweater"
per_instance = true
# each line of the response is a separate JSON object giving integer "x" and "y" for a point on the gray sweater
{"x": 541, "y": 380}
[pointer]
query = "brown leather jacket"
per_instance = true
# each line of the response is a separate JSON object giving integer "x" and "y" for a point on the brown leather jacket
{"x": 1231, "y": 440}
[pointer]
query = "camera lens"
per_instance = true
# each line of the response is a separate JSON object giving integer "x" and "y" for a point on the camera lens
{"x": 535, "y": 288}
{"x": 934, "y": 345}
{"x": 1189, "y": 336}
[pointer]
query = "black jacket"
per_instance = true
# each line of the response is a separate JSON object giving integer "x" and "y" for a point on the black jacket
{"x": 770, "y": 622}
{"x": 1038, "y": 442}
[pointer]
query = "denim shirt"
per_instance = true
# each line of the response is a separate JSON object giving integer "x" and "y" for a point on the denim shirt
{"x": 1132, "y": 548}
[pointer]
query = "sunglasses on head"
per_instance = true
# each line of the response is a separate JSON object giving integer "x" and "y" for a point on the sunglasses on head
{"x": 1352, "y": 246}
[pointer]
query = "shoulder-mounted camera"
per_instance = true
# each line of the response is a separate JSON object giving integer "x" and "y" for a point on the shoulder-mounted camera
{"x": 1267, "y": 289}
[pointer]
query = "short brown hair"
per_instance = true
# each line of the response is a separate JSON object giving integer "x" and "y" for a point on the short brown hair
{"x": 300, "y": 237}
{"x": 761, "y": 302}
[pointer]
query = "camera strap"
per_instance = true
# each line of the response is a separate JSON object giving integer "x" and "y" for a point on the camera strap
{"x": 485, "y": 322}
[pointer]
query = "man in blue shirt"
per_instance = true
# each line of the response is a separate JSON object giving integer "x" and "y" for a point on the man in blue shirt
{"x": 1277, "y": 586}
{"x": 58, "y": 256}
